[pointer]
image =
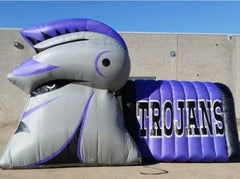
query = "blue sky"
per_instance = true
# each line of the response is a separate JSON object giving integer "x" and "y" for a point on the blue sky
{"x": 136, "y": 16}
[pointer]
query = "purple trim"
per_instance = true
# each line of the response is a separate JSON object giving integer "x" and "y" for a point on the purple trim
{"x": 83, "y": 118}
{"x": 69, "y": 139}
{"x": 30, "y": 111}
{"x": 32, "y": 67}
{"x": 71, "y": 25}
{"x": 96, "y": 63}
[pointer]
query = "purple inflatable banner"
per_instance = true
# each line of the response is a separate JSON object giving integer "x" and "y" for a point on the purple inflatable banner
{"x": 180, "y": 121}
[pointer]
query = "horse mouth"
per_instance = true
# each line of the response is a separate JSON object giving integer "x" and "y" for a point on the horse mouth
{"x": 53, "y": 85}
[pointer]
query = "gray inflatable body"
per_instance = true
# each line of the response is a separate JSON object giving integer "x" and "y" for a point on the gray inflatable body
{"x": 72, "y": 117}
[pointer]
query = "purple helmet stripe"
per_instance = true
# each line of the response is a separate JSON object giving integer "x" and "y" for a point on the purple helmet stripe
{"x": 32, "y": 67}
{"x": 83, "y": 118}
{"x": 30, "y": 111}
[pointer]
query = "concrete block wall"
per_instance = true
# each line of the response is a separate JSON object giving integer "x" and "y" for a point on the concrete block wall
{"x": 12, "y": 99}
{"x": 197, "y": 57}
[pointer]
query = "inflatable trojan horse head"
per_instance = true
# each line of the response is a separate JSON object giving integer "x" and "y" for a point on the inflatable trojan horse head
{"x": 72, "y": 117}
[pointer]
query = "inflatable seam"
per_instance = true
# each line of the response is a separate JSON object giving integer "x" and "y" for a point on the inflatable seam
{"x": 198, "y": 121}
{"x": 185, "y": 114}
{"x": 214, "y": 137}
{"x": 212, "y": 121}
{"x": 174, "y": 136}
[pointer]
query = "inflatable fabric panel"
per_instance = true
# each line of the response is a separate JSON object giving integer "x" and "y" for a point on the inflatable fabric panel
{"x": 62, "y": 127}
{"x": 229, "y": 117}
{"x": 181, "y": 121}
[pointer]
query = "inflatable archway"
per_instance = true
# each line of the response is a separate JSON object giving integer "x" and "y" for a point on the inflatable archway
{"x": 73, "y": 118}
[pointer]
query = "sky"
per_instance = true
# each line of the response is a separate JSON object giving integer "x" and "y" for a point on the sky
{"x": 130, "y": 16}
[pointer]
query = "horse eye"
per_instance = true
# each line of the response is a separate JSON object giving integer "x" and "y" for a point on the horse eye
{"x": 106, "y": 62}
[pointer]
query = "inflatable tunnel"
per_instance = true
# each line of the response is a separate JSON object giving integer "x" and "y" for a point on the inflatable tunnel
{"x": 181, "y": 121}
{"x": 73, "y": 117}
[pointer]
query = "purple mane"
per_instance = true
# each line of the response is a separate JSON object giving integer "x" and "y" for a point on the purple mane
{"x": 39, "y": 33}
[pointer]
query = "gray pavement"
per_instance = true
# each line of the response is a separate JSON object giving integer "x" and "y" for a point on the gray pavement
{"x": 160, "y": 170}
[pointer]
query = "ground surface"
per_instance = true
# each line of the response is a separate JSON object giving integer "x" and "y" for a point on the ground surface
{"x": 160, "y": 170}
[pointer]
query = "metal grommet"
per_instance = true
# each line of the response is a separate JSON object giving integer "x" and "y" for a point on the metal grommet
{"x": 18, "y": 45}
{"x": 173, "y": 54}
